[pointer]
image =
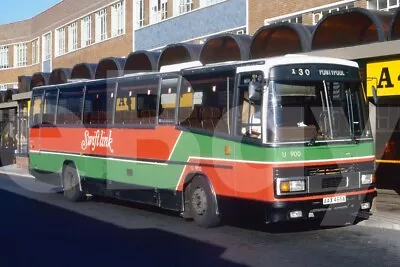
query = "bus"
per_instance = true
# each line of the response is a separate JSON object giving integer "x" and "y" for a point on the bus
{"x": 287, "y": 136}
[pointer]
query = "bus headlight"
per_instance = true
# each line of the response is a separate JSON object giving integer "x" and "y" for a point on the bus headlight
{"x": 366, "y": 178}
{"x": 292, "y": 186}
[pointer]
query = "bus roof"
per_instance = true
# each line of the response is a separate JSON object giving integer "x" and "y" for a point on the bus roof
{"x": 267, "y": 63}
{"x": 263, "y": 64}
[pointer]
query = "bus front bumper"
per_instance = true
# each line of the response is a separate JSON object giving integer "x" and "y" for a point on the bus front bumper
{"x": 355, "y": 205}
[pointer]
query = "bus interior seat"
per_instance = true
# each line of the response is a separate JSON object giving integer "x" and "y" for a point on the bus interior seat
{"x": 86, "y": 117}
{"x": 207, "y": 118}
{"x": 60, "y": 118}
{"x": 148, "y": 116}
{"x": 222, "y": 124}
{"x": 167, "y": 115}
{"x": 48, "y": 118}
{"x": 194, "y": 119}
{"x": 119, "y": 117}
{"x": 184, "y": 115}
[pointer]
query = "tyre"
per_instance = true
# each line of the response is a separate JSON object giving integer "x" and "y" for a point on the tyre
{"x": 203, "y": 206}
{"x": 71, "y": 184}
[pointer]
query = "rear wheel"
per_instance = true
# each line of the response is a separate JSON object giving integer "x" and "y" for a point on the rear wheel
{"x": 71, "y": 184}
{"x": 203, "y": 206}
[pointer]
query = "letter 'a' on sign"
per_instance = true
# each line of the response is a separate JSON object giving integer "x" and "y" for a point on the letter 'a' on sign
{"x": 383, "y": 76}
{"x": 385, "y": 80}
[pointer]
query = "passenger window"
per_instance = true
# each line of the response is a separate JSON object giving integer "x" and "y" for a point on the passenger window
{"x": 49, "y": 109}
{"x": 70, "y": 104}
{"x": 136, "y": 102}
{"x": 99, "y": 104}
{"x": 206, "y": 101}
{"x": 36, "y": 109}
{"x": 249, "y": 113}
{"x": 168, "y": 101}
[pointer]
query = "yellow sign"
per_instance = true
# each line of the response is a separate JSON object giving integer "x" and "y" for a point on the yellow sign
{"x": 385, "y": 77}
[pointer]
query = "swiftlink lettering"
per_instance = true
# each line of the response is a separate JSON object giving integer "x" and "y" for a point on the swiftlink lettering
{"x": 98, "y": 139}
{"x": 332, "y": 73}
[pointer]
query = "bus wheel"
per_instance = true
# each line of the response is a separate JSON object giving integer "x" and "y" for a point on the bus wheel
{"x": 71, "y": 184}
{"x": 202, "y": 203}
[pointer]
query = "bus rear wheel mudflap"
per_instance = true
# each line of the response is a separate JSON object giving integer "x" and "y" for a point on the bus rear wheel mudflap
{"x": 201, "y": 203}
{"x": 70, "y": 179}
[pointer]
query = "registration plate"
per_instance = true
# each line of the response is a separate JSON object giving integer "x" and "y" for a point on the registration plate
{"x": 334, "y": 200}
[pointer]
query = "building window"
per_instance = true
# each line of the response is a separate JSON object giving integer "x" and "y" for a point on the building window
{"x": 185, "y": 6}
{"x": 20, "y": 55}
{"x": 101, "y": 25}
{"x": 3, "y": 57}
{"x": 204, "y": 3}
{"x": 73, "y": 37}
{"x": 60, "y": 42}
{"x": 159, "y": 10}
{"x": 35, "y": 52}
{"x": 294, "y": 19}
{"x": 385, "y": 5}
{"x": 317, "y": 16}
{"x": 86, "y": 31}
{"x": 140, "y": 13}
{"x": 47, "y": 47}
{"x": 118, "y": 19}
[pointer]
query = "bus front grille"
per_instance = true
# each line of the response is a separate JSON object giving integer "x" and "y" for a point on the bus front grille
{"x": 334, "y": 182}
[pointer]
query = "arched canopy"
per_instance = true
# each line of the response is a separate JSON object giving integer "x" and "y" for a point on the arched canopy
{"x": 394, "y": 32}
{"x": 9, "y": 93}
{"x": 39, "y": 79}
{"x": 179, "y": 53}
{"x": 84, "y": 71}
{"x": 351, "y": 27}
{"x": 141, "y": 61}
{"x": 2, "y": 96}
{"x": 280, "y": 39}
{"x": 110, "y": 67}
{"x": 59, "y": 76}
{"x": 225, "y": 47}
{"x": 24, "y": 84}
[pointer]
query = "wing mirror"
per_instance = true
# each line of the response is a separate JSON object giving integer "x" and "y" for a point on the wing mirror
{"x": 375, "y": 95}
{"x": 255, "y": 91}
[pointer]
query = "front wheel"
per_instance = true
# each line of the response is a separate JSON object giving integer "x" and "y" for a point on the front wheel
{"x": 203, "y": 206}
{"x": 71, "y": 184}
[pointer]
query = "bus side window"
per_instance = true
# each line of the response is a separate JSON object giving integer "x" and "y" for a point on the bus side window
{"x": 168, "y": 101}
{"x": 99, "y": 103}
{"x": 49, "y": 109}
{"x": 70, "y": 104}
{"x": 136, "y": 102}
{"x": 249, "y": 113}
{"x": 36, "y": 108}
{"x": 206, "y": 101}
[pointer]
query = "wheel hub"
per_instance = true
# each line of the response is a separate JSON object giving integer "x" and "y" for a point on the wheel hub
{"x": 199, "y": 201}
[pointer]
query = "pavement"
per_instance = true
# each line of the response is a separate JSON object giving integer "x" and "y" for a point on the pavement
{"x": 385, "y": 210}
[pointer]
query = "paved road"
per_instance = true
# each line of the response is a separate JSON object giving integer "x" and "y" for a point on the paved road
{"x": 44, "y": 229}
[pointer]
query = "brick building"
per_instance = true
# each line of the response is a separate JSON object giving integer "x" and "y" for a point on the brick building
{"x": 309, "y": 12}
{"x": 75, "y": 31}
